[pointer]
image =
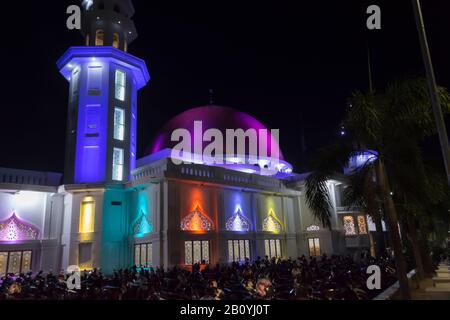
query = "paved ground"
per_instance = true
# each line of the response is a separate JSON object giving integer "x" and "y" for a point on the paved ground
{"x": 418, "y": 292}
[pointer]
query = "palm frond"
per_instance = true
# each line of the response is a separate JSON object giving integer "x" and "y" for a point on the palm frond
{"x": 318, "y": 198}
{"x": 328, "y": 162}
{"x": 409, "y": 105}
{"x": 362, "y": 190}
{"x": 364, "y": 120}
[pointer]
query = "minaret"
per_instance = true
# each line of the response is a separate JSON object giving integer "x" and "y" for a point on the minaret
{"x": 104, "y": 81}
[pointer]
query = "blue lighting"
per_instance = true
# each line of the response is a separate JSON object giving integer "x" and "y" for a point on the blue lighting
{"x": 238, "y": 222}
{"x": 88, "y": 70}
{"x": 142, "y": 227}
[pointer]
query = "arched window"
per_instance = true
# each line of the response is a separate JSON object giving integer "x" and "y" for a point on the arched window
{"x": 116, "y": 40}
{"x": 87, "y": 215}
{"x": 99, "y": 36}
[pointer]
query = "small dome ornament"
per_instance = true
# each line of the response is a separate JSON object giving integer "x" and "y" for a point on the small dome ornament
{"x": 14, "y": 229}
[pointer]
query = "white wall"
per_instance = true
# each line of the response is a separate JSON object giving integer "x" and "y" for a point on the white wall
{"x": 28, "y": 205}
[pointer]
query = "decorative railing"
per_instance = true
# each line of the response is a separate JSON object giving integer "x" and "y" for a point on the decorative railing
{"x": 165, "y": 169}
{"x": 149, "y": 172}
{"x": 24, "y": 177}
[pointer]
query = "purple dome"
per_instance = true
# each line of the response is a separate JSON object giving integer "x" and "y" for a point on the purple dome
{"x": 212, "y": 117}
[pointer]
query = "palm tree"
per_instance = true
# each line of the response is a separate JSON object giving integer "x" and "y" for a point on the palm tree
{"x": 392, "y": 124}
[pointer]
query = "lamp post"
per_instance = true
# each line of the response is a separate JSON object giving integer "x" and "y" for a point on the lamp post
{"x": 438, "y": 115}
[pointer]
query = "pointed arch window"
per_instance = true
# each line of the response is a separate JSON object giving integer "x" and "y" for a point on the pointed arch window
{"x": 272, "y": 223}
{"x": 238, "y": 222}
{"x": 196, "y": 222}
{"x": 99, "y": 37}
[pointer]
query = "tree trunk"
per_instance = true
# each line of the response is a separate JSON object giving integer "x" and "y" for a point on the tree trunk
{"x": 425, "y": 253}
{"x": 415, "y": 245}
{"x": 392, "y": 220}
{"x": 379, "y": 236}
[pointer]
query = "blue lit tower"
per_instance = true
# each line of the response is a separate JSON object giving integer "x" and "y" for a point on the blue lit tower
{"x": 104, "y": 81}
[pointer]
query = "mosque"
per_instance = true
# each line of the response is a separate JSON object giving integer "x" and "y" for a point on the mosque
{"x": 111, "y": 210}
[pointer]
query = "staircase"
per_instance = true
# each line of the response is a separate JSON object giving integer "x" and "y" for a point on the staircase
{"x": 442, "y": 280}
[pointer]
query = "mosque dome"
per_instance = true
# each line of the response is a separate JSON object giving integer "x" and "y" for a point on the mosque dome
{"x": 223, "y": 119}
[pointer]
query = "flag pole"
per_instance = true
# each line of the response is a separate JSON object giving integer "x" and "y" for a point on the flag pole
{"x": 435, "y": 101}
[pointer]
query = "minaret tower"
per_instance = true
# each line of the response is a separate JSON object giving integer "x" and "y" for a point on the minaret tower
{"x": 104, "y": 81}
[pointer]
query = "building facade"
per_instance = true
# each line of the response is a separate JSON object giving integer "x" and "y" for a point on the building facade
{"x": 114, "y": 211}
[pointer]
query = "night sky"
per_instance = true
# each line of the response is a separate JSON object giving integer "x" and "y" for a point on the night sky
{"x": 277, "y": 60}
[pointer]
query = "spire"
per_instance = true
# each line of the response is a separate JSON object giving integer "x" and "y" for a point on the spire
{"x": 108, "y": 23}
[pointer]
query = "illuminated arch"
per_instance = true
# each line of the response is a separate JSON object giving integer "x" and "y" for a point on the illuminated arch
{"x": 196, "y": 222}
{"x": 15, "y": 229}
{"x": 142, "y": 226}
{"x": 272, "y": 223}
{"x": 238, "y": 222}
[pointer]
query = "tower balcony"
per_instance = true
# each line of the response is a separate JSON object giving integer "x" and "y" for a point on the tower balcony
{"x": 78, "y": 55}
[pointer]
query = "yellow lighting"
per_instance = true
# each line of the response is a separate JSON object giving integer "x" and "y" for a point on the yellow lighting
{"x": 116, "y": 40}
{"x": 87, "y": 215}
{"x": 272, "y": 223}
{"x": 99, "y": 37}
{"x": 362, "y": 225}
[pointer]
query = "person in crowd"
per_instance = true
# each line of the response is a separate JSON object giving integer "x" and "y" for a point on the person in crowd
{"x": 334, "y": 277}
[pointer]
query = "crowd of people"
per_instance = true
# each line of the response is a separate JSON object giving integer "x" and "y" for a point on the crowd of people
{"x": 323, "y": 278}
